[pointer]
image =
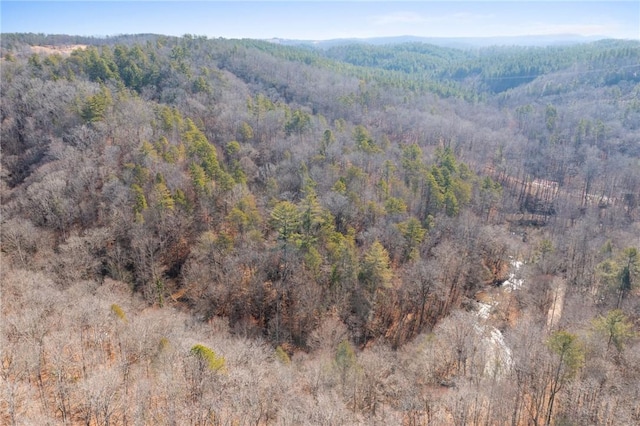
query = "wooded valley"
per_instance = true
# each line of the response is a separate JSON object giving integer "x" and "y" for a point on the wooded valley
{"x": 228, "y": 232}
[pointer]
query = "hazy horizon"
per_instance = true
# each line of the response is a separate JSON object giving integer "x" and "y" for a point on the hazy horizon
{"x": 315, "y": 20}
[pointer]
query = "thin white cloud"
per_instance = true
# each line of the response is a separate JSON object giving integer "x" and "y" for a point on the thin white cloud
{"x": 398, "y": 18}
{"x": 467, "y": 17}
{"x": 581, "y": 29}
{"x": 406, "y": 17}
{"x": 610, "y": 29}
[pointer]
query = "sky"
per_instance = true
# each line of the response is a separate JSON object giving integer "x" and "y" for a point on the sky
{"x": 324, "y": 20}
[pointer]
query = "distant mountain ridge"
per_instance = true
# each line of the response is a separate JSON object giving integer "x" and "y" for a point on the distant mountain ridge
{"x": 457, "y": 42}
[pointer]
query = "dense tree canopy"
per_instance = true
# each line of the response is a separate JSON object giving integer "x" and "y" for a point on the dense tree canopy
{"x": 237, "y": 231}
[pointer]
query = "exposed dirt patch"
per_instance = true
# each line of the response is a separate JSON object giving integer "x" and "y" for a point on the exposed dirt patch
{"x": 555, "y": 311}
{"x": 64, "y": 50}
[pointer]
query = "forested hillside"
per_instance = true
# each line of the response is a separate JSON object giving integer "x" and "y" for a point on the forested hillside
{"x": 212, "y": 231}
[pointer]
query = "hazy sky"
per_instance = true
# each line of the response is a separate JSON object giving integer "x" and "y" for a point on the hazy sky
{"x": 321, "y": 20}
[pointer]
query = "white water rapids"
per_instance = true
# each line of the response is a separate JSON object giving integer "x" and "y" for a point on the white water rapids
{"x": 497, "y": 353}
